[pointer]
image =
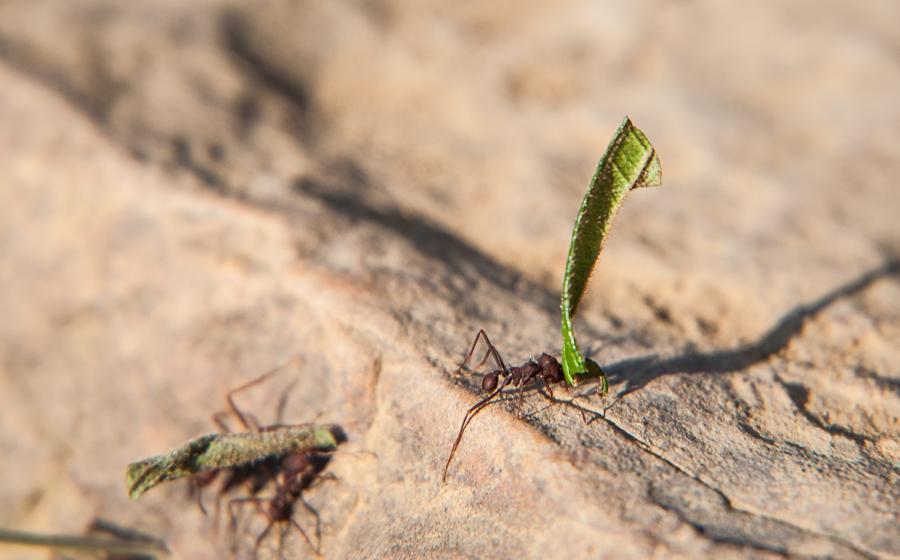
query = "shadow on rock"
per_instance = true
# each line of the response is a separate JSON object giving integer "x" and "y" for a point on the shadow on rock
{"x": 434, "y": 242}
{"x": 637, "y": 372}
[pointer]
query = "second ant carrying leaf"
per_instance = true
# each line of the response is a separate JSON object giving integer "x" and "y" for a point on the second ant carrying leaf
{"x": 289, "y": 458}
{"x": 287, "y": 476}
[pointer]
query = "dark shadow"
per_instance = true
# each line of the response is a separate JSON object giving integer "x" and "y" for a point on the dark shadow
{"x": 637, "y": 372}
{"x": 434, "y": 242}
{"x": 237, "y": 42}
{"x": 262, "y": 70}
{"x": 95, "y": 93}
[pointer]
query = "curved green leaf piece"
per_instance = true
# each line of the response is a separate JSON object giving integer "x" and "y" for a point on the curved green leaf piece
{"x": 629, "y": 162}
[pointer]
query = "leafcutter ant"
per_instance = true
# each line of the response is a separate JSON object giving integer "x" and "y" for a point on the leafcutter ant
{"x": 289, "y": 474}
{"x": 289, "y": 456}
{"x": 293, "y": 475}
{"x": 546, "y": 369}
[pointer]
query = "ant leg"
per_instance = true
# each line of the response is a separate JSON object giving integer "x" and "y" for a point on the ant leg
{"x": 492, "y": 350}
{"x": 323, "y": 478}
{"x": 238, "y": 502}
{"x": 282, "y": 403}
{"x": 552, "y": 398}
{"x": 219, "y": 420}
{"x": 297, "y": 526}
{"x": 315, "y": 513}
{"x": 580, "y": 408}
{"x": 485, "y": 402}
{"x": 498, "y": 360}
{"x": 466, "y": 421}
{"x": 523, "y": 383}
{"x": 245, "y": 420}
{"x": 217, "y": 514}
{"x": 196, "y": 488}
{"x": 475, "y": 409}
{"x": 583, "y": 415}
{"x": 462, "y": 429}
{"x": 549, "y": 388}
{"x": 472, "y": 350}
{"x": 233, "y": 505}
{"x": 261, "y": 537}
{"x": 232, "y": 515}
{"x": 484, "y": 359}
{"x": 281, "y": 531}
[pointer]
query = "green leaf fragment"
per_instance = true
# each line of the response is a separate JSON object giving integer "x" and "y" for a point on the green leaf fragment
{"x": 215, "y": 451}
{"x": 630, "y": 162}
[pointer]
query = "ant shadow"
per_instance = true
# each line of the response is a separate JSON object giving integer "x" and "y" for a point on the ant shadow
{"x": 635, "y": 373}
{"x": 588, "y": 415}
{"x": 515, "y": 397}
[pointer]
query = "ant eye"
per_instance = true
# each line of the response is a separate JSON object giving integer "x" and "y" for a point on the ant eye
{"x": 489, "y": 382}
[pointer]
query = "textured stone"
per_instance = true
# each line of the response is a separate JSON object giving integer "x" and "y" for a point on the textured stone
{"x": 195, "y": 193}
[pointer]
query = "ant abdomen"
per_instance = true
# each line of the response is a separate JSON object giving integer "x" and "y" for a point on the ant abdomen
{"x": 489, "y": 381}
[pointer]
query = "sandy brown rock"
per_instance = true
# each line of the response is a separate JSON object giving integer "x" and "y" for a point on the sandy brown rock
{"x": 192, "y": 194}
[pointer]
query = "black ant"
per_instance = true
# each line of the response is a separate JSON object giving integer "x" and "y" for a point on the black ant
{"x": 546, "y": 368}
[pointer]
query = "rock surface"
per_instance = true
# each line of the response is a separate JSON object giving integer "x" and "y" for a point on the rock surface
{"x": 193, "y": 193}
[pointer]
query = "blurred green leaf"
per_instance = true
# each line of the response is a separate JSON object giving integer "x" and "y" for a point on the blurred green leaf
{"x": 216, "y": 451}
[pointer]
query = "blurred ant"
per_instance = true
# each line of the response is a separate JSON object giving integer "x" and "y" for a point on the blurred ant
{"x": 546, "y": 369}
{"x": 291, "y": 474}
{"x": 256, "y": 475}
{"x": 295, "y": 474}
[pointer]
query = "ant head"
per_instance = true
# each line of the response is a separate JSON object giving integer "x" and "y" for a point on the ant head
{"x": 340, "y": 436}
{"x": 551, "y": 368}
{"x": 489, "y": 381}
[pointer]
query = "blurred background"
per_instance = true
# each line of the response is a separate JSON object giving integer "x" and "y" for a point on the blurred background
{"x": 193, "y": 192}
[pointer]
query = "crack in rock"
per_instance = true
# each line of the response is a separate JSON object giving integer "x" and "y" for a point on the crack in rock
{"x": 727, "y": 523}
